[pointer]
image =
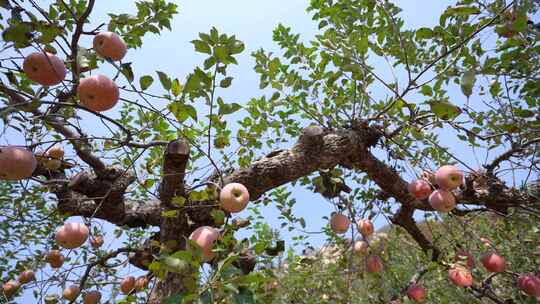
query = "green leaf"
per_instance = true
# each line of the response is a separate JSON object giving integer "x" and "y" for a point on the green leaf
{"x": 225, "y": 108}
{"x": 426, "y": 90}
{"x": 182, "y": 111}
{"x": 424, "y": 33}
{"x": 127, "y": 71}
{"x": 445, "y": 110}
{"x": 467, "y": 82}
{"x": 165, "y": 80}
{"x": 145, "y": 82}
{"x": 226, "y": 82}
{"x": 176, "y": 87}
{"x": 221, "y": 53}
{"x": 178, "y": 201}
{"x": 462, "y": 10}
{"x": 202, "y": 47}
{"x": 20, "y": 34}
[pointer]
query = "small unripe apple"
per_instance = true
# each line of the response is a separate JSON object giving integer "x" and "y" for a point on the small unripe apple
{"x": 442, "y": 200}
{"x": 55, "y": 258}
{"x": 56, "y": 152}
{"x": 92, "y": 297}
{"x": 460, "y": 276}
{"x": 493, "y": 262}
{"x": 10, "y": 288}
{"x": 360, "y": 247}
{"x": 72, "y": 235}
{"x": 127, "y": 284}
{"x": 205, "y": 237}
{"x": 365, "y": 227}
{"x": 141, "y": 283}
{"x": 419, "y": 189}
{"x": 16, "y": 163}
{"x": 417, "y": 293}
{"x": 27, "y": 276}
{"x": 71, "y": 292}
{"x": 529, "y": 284}
{"x": 374, "y": 263}
{"x": 339, "y": 223}
{"x": 110, "y": 45}
{"x": 97, "y": 241}
{"x": 234, "y": 197}
{"x": 465, "y": 258}
{"x": 44, "y": 68}
{"x": 98, "y": 93}
{"x": 449, "y": 177}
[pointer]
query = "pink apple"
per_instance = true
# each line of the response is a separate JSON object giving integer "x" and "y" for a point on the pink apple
{"x": 449, "y": 177}
{"x": 98, "y": 93}
{"x": 234, "y": 197}
{"x": 374, "y": 263}
{"x": 529, "y": 284}
{"x": 339, "y": 223}
{"x": 493, "y": 262}
{"x": 366, "y": 228}
{"x": 419, "y": 189}
{"x": 360, "y": 247}
{"x": 460, "y": 276}
{"x": 417, "y": 293}
{"x": 442, "y": 200}
{"x": 205, "y": 237}
{"x": 110, "y": 45}
{"x": 44, "y": 68}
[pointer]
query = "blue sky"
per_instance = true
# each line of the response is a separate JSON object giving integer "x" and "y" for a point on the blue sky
{"x": 253, "y": 23}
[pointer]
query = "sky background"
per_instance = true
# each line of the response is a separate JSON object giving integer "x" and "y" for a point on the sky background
{"x": 253, "y": 23}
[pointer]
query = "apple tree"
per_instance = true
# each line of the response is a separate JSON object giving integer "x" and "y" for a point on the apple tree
{"x": 385, "y": 122}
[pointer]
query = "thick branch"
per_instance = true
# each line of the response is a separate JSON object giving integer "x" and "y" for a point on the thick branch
{"x": 175, "y": 160}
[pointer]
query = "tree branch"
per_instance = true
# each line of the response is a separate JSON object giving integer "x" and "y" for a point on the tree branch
{"x": 175, "y": 160}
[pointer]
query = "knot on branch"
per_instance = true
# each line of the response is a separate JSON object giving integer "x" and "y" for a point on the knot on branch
{"x": 370, "y": 134}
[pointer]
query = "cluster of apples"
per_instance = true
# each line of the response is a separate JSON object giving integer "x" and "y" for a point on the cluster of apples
{"x": 447, "y": 178}
{"x": 11, "y": 287}
{"x": 233, "y": 198}
{"x": 98, "y": 93}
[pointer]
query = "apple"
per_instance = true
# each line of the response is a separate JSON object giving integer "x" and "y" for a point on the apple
{"x": 493, "y": 262}
{"x": 419, "y": 189}
{"x": 44, "y": 68}
{"x": 127, "y": 284}
{"x": 374, "y": 264}
{"x": 56, "y": 152}
{"x": 465, "y": 258}
{"x": 97, "y": 241}
{"x": 98, "y": 93}
{"x": 10, "y": 288}
{"x": 460, "y": 276}
{"x": 92, "y": 297}
{"x": 360, "y": 247}
{"x": 109, "y": 45}
{"x": 416, "y": 293}
{"x": 339, "y": 223}
{"x": 449, "y": 177}
{"x": 72, "y": 235}
{"x": 71, "y": 292}
{"x": 366, "y": 228}
{"x": 141, "y": 283}
{"x": 529, "y": 284}
{"x": 55, "y": 258}
{"x": 205, "y": 237}
{"x": 234, "y": 197}
{"x": 442, "y": 200}
{"x": 16, "y": 163}
{"x": 27, "y": 276}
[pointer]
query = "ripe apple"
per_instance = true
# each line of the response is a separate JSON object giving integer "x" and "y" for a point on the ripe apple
{"x": 366, "y": 228}
{"x": 465, "y": 258}
{"x": 72, "y": 235}
{"x": 110, "y": 45}
{"x": 339, "y": 223}
{"x": 11, "y": 287}
{"x": 92, "y": 297}
{"x": 127, "y": 284}
{"x": 97, "y": 241}
{"x": 27, "y": 276}
{"x": 460, "y": 276}
{"x": 493, "y": 262}
{"x": 442, "y": 200}
{"x": 141, "y": 283}
{"x": 529, "y": 284}
{"x": 360, "y": 247}
{"x": 234, "y": 197}
{"x": 374, "y": 263}
{"x": 419, "y": 189}
{"x": 16, "y": 163}
{"x": 449, "y": 177}
{"x": 71, "y": 292}
{"x": 205, "y": 237}
{"x": 417, "y": 293}
{"x": 55, "y": 258}
{"x": 44, "y": 68}
{"x": 98, "y": 93}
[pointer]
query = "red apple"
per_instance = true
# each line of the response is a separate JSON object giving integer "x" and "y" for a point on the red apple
{"x": 98, "y": 93}
{"x": 449, "y": 177}
{"x": 72, "y": 235}
{"x": 71, "y": 292}
{"x": 93, "y": 297}
{"x": 460, "y": 276}
{"x": 374, "y": 264}
{"x": 16, "y": 163}
{"x": 55, "y": 258}
{"x": 234, "y": 197}
{"x": 442, "y": 200}
{"x": 44, "y": 68}
{"x": 339, "y": 223}
{"x": 417, "y": 293}
{"x": 27, "y": 276}
{"x": 110, "y": 45}
{"x": 419, "y": 189}
{"x": 529, "y": 284}
{"x": 365, "y": 227}
{"x": 493, "y": 262}
{"x": 97, "y": 241}
{"x": 10, "y": 288}
{"x": 205, "y": 237}
{"x": 127, "y": 284}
